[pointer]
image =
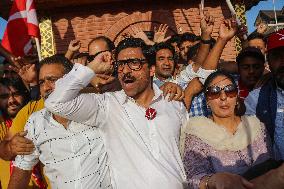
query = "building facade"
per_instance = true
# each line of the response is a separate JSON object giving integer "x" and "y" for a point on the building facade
{"x": 62, "y": 21}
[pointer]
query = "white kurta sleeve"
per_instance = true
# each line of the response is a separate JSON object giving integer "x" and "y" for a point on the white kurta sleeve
{"x": 186, "y": 76}
{"x": 65, "y": 100}
{"x": 27, "y": 162}
{"x": 203, "y": 74}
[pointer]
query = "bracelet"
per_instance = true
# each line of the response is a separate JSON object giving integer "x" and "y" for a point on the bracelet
{"x": 207, "y": 181}
{"x": 206, "y": 41}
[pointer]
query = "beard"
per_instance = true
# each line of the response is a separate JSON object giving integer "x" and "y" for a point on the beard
{"x": 12, "y": 111}
{"x": 279, "y": 77}
{"x": 46, "y": 95}
{"x": 134, "y": 86}
{"x": 165, "y": 74}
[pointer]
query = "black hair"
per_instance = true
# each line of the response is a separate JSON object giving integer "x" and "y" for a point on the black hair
{"x": 57, "y": 59}
{"x": 18, "y": 84}
{"x": 150, "y": 35}
{"x": 164, "y": 45}
{"x": 215, "y": 74}
{"x": 136, "y": 43}
{"x": 189, "y": 37}
{"x": 250, "y": 52}
{"x": 256, "y": 35}
{"x": 175, "y": 39}
{"x": 109, "y": 42}
{"x": 192, "y": 51}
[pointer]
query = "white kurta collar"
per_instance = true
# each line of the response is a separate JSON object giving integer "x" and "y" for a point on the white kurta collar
{"x": 122, "y": 97}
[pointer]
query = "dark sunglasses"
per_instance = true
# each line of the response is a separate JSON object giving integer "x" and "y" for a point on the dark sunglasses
{"x": 90, "y": 58}
{"x": 214, "y": 92}
{"x": 134, "y": 64}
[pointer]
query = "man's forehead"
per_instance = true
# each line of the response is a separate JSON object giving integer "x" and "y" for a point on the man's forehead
{"x": 49, "y": 75}
{"x": 132, "y": 52}
{"x": 256, "y": 41}
{"x": 164, "y": 52}
{"x": 49, "y": 70}
{"x": 98, "y": 45}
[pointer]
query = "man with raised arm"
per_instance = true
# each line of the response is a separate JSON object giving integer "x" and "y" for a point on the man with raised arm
{"x": 140, "y": 127}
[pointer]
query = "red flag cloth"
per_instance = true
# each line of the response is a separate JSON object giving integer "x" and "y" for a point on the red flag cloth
{"x": 22, "y": 25}
{"x": 243, "y": 90}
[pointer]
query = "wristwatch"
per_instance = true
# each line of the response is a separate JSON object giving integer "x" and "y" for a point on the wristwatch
{"x": 206, "y": 41}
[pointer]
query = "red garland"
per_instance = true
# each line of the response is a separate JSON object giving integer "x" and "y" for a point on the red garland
{"x": 150, "y": 113}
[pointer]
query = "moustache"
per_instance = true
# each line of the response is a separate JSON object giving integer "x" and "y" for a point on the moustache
{"x": 128, "y": 76}
{"x": 14, "y": 103}
{"x": 46, "y": 95}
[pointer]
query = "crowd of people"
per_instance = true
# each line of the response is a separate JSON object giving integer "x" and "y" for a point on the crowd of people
{"x": 147, "y": 113}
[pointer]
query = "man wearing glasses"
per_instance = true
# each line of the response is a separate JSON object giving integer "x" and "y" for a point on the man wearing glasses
{"x": 139, "y": 126}
{"x": 73, "y": 154}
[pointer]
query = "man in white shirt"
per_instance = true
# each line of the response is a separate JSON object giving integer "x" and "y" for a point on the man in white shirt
{"x": 140, "y": 127}
{"x": 73, "y": 154}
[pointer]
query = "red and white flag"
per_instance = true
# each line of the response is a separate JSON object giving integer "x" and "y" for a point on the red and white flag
{"x": 22, "y": 25}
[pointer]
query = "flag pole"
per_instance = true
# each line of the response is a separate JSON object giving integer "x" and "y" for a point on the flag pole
{"x": 275, "y": 16}
{"x": 233, "y": 12}
{"x": 201, "y": 11}
{"x": 202, "y": 5}
{"x": 38, "y": 48}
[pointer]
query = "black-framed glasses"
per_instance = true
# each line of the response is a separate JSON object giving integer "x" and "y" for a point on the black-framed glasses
{"x": 214, "y": 92}
{"x": 134, "y": 64}
{"x": 90, "y": 58}
{"x": 13, "y": 94}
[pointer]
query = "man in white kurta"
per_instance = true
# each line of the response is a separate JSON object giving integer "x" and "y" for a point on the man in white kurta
{"x": 73, "y": 154}
{"x": 73, "y": 157}
{"x": 143, "y": 153}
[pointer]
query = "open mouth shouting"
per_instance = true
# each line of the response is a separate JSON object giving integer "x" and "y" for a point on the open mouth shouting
{"x": 128, "y": 81}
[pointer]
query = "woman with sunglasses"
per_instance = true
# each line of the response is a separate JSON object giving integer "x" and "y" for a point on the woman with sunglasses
{"x": 217, "y": 150}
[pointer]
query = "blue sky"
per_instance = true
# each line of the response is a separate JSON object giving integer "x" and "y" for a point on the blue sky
{"x": 251, "y": 15}
{"x": 2, "y": 27}
{"x": 263, "y": 5}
